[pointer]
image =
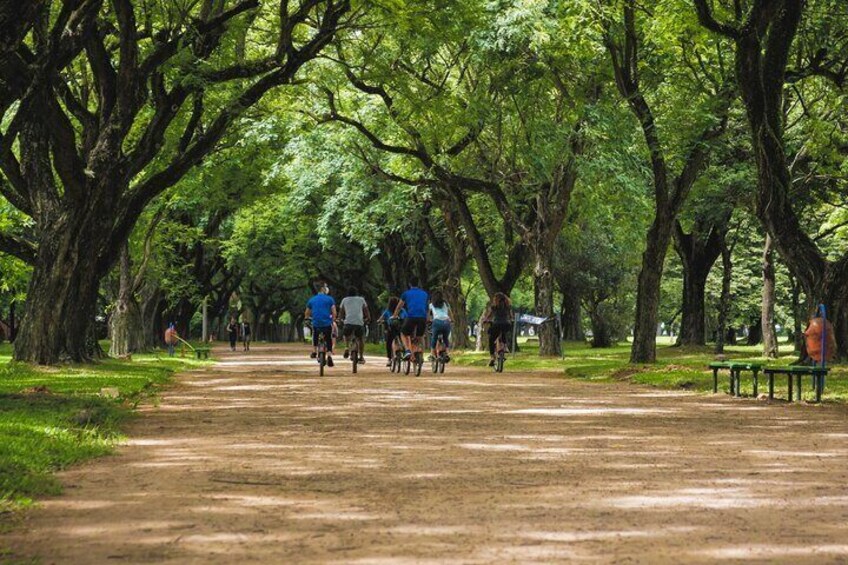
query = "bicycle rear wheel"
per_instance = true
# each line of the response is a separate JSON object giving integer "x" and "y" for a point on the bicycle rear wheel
{"x": 499, "y": 363}
{"x": 321, "y": 362}
{"x": 419, "y": 363}
{"x": 407, "y": 366}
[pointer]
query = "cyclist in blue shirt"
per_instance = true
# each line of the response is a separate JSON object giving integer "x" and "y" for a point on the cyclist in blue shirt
{"x": 322, "y": 309}
{"x": 415, "y": 300}
{"x": 393, "y": 326}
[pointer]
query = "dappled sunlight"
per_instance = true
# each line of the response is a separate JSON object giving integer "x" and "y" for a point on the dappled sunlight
{"x": 381, "y": 468}
{"x": 772, "y": 551}
{"x": 593, "y": 411}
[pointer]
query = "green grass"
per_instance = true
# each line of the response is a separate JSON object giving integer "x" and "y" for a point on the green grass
{"x": 676, "y": 367}
{"x": 53, "y": 417}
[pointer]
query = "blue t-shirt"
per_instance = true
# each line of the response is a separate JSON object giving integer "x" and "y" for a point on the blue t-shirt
{"x": 416, "y": 301}
{"x": 322, "y": 309}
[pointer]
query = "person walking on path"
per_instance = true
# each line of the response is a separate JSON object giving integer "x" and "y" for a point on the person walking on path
{"x": 232, "y": 330}
{"x": 354, "y": 311}
{"x": 321, "y": 309}
{"x": 245, "y": 335}
{"x": 171, "y": 338}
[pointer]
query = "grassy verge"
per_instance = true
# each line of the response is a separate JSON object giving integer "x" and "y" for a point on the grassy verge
{"x": 54, "y": 417}
{"x": 676, "y": 367}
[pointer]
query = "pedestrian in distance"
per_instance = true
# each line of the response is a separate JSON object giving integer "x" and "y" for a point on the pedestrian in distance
{"x": 245, "y": 335}
{"x": 232, "y": 331}
{"x": 171, "y": 338}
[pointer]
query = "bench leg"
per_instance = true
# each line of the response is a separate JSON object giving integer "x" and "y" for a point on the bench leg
{"x": 799, "y": 387}
{"x": 791, "y": 396}
{"x": 819, "y": 379}
{"x": 756, "y": 382}
{"x": 738, "y": 383}
{"x": 732, "y": 383}
{"x": 771, "y": 386}
{"x": 715, "y": 381}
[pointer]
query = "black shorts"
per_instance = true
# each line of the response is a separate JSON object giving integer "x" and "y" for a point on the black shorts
{"x": 327, "y": 332}
{"x": 351, "y": 329}
{"x": 417, "y": 326}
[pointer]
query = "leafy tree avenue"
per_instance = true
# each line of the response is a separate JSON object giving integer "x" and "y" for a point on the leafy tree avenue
{"x": 162, "y": 158}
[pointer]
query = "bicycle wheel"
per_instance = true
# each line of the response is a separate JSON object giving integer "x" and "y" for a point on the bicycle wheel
{"x": 442, "y": 365}
{"x": 419, "y": 363}
{"x": 407, "y": 365}
{"x": 321, "y": 362}
{"x": 499, "y": 363}
{"x": 355, "y": 361}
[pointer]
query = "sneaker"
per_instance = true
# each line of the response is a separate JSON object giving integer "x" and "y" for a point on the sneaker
{"x": 389, "y": 363}
{"x": 447, "y": 358}
{"x": 361, "y": 360}
{"x": 431, "y": 357}
{"x": 331, "y": 364}
{"x": 491, "y": 362}
{"x": 346, "y": 354}
{"x": 313, "y": 355}
{"x": 407, "y": 355}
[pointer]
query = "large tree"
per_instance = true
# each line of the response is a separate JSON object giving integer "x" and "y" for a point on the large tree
{"x": 763, "y": 34}
{"x": 670, "y": 190}
{"x": 108, "y": 105}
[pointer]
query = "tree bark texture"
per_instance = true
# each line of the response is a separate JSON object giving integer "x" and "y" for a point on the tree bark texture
{"x": 724, "y": 299}
{"x": 770, "y": 347}
{"x": 126, "y": 325}
{"x": 698, "y": 252}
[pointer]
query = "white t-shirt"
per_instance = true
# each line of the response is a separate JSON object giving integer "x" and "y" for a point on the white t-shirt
{"x": 442, "y": 313}
{"x": 353, "y": 306}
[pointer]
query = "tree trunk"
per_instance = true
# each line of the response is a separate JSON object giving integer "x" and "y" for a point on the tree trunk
{"x": 644, "y": 348}
{"x": 572, "y": 326}
{"x": 770, "y": 348}
{"x": 798, "y": 316}
{"x": 698, "y": 252}
{"x": 62, "y": 297}
{"x": 755, "y": 333}
{"x": 125, "y": 324}
{"x": 724, "y": 300}
{"x": 549, "y": 341}
{"x": 482, "y": 342}
{"x": 13, "y": 327}
{"x": 459, "y": 313}
{"x": 600, "y": 330}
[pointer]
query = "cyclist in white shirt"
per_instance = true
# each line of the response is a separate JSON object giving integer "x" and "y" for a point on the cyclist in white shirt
{"x": 439, "y": 314}
{"x": 354, "y": 311}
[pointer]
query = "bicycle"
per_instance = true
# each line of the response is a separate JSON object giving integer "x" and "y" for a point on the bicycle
{"x": 397, "y": 355}
{"x": 500, "y": 351}
{"x": 415, "y": 360}
{"x": 322, "y": 350}
{"x": 440, "y": 359}
{"x": 500, "y": 355}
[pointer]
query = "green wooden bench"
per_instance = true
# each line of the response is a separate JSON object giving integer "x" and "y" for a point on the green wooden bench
{"x": 798, "y": 371}
{"x": 202, "y": 352}
{"x": 736, "y": 369}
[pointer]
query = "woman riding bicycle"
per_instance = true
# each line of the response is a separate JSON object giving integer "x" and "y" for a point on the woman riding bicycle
{"x": 393, "y": 326}
{"x": 500, "y": 317}
{"x": 439, "y": 313}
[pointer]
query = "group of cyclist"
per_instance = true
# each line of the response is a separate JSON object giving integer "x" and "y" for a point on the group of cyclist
{"x": 405, "y": 317}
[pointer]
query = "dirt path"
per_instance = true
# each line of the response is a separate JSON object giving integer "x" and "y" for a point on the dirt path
{"x": 259, "y": 460}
